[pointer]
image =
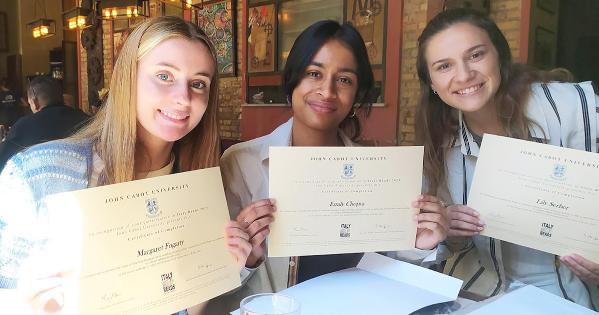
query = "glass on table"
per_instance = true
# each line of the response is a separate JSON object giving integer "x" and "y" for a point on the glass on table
{"x": 269, "y": 304}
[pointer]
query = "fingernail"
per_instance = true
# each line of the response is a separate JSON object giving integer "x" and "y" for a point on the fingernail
{"x": 414, "y": 204}
{"x": 476, "y": 213}
{"x": 480, "y": 228}
{"x": 481, "y": 222}
{"x": 416, "y": 217}
{"x": 420, "y": 197}
{"x": 272, "y": 201}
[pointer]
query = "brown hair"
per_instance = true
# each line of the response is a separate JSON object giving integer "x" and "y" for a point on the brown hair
{"x": 113, "y": 130}
{"x": 436, "y": 123}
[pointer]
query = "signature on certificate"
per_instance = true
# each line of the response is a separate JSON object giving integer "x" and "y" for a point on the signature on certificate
{"x": 109, "y": 297}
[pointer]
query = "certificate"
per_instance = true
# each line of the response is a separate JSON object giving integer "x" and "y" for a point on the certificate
{"x": 152, "y": 246}
{"x": 333, "y": 200}
{"x": 539, "y": 196}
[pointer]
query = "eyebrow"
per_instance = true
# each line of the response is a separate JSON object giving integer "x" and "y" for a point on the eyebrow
{"x": 321, "y": 65}
{"x": 166, "y": 64}
{"x": 467, "y": 51}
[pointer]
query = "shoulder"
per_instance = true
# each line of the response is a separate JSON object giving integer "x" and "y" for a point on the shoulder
{"x": 62, "y": 110}
{"x": 557, "y": 98}
{"x": 23, "y": 123}
{"x": 51, "y": 167}
{"x": 556, "y": 92}
{"x": 256, "y": 149}
{"x": 59, "y": 153}
{"x": 246, "y": 151}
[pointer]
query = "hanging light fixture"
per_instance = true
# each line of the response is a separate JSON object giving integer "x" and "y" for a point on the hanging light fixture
{"x": 123, "y": 9}
{"x": 42, "y": 27}
{"x": 76, "y": 18}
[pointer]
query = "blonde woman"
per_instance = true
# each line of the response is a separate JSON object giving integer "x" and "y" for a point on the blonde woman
{"x": 159, "y": 118}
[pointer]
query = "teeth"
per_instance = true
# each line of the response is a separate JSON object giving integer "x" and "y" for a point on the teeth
{"x": 470, "y": 89}
{"x": 173, "y": 115}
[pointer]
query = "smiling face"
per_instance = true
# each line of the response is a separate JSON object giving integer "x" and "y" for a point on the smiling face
{"x": 464, "y": 67}
{"x": 173, "y": 89}
{"x": 326, "y": 93}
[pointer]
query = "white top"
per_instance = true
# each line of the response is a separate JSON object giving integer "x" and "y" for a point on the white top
{"x": 98, "y": 167}
{"x": 564, "y": 114}
{"x": 245, "y": 173}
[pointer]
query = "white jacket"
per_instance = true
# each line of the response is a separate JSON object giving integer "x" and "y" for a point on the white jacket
{"x": 244, "y": 168}
{"x": 563, "y": 113}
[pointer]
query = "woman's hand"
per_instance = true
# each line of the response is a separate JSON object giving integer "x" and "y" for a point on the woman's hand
{"x": 255, "y": 219}
{"x": 432, "y": 222}
{"x": 585, "y": 269}
{"x": 44, "y": 295}
{"x": 463, "y": 221}
{"x": 237, "y": 242}
{"x": 44, "y": 285}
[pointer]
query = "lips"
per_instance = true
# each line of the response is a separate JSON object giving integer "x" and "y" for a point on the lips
{"x": 173, "y": 115}
{"x": 322, "y": 107}
{"x": 470, "y": 90}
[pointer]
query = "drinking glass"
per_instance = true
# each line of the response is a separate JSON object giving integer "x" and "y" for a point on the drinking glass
{"x": 269, "y": 304}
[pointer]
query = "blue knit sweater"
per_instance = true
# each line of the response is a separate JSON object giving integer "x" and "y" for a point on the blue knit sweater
{"x": 29, "y": 177}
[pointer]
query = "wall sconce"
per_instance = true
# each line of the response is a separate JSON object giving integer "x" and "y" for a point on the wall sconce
{"x": 42, "y": 28}
{"x": 123, "y": 9}
{"x": 76, "y": 18}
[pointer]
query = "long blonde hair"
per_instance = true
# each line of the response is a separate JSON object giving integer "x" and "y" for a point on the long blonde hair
{"x": 113, "y": 130}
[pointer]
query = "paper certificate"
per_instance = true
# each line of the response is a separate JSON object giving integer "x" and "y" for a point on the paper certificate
{"x": 539, "y": 196}
{"x": 333, "y": 200}
{"x": 152, "y": 246}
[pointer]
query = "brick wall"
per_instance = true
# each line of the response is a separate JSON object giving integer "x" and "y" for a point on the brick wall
{"x": 83, "y": 102}
{"x": 229, "y": 111}
{"x": 507, "y": 15}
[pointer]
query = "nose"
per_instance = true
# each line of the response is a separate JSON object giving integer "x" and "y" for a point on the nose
{"x": 464, "y": 72}
{"x": 181, "y": 93}
{"x": 327, "y": 88}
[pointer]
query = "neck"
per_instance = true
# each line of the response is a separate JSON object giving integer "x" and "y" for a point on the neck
{"x": 484, "y": 121}
{"x": 302, "y": 136}
{"x": 152, "y": 156}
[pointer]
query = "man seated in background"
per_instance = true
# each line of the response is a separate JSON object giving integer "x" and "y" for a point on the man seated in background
{"x": 51, "y": 119}
{"x": 10, "y": 107}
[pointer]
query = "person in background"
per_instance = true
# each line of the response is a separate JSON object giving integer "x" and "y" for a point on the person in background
{"x": 469, "y": 87}
{"x": 159, "y": 118}
{"x": 51, "y": 119}
{"x": 328, "y": 81}
{"x": 10, "y": 107}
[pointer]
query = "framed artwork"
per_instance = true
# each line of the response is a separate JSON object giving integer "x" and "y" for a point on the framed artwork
{"x": 368, "y": 16}
{"x": 169, "y": 9}
{"x": 295, "y": 16}
{"x": 217, "y": 19}
{"x": 545, "y": 48}
{"x": 3, "y": 32}
{"x": 119, "y": 25}
{"x": 261, "y": 38}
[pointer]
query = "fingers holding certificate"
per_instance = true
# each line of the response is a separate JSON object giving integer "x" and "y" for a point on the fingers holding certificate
{"x": 151, "y": 246}
{"x": 333, "y": 200}
{"x": 540, "y": 196}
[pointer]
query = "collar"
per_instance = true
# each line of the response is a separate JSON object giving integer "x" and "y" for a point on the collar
{"x": 51, "y": 105}
{"x": 537, "y": 130}
{"x": 281, "y": 137}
